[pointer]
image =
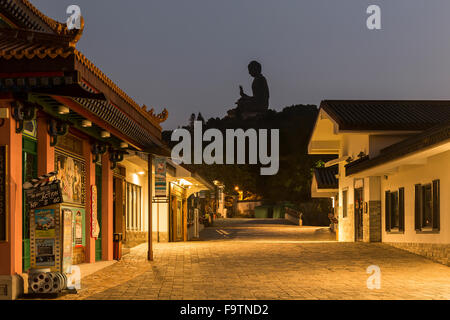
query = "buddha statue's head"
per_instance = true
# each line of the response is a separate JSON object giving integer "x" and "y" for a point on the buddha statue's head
{"x": 254, "y": 68}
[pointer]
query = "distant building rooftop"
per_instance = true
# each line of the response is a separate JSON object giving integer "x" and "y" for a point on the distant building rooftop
{"x": 392, "y": 115}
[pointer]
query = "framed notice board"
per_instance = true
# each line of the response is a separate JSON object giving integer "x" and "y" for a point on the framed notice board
{"x": 45, "y": 238}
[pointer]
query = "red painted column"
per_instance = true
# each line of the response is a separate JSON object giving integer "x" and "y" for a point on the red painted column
{"x": 90, "y": 181}
{"x": 46, "y": 153}
{"x": 11, "y": 250}
{"x": 107, "y": 209}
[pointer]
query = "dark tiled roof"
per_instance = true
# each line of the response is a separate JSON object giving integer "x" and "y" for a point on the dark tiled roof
{"x": 326, "y": 177}
{"x": 387, "y": 114}
{"x": 415, "y": 143}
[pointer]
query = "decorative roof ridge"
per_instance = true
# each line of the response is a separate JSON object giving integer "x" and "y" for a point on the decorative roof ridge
{"x": 57, "y": 27}
{"x": 69, "y": 38}
{"x": 154, "y": 119}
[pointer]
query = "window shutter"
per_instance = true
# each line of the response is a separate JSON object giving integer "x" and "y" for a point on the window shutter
{"x": 436, "y": 204}
{"x": 417, "y": 206}
{"x": 387, "y": 209}
{"x": 401, "y": 209}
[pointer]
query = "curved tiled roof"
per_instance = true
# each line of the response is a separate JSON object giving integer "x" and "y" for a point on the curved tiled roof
{"x": 38, "y": 21}
{"x": 411, "y": 115}
{"x": 58, "y": 42}
{"x": 156, "y": 119}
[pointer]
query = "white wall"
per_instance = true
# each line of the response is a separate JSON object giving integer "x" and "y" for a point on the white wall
{"x": 378, "y": 142}
{"x": 437, "y": 167}
{"x": 346, "y": 225}
{"x": 351, "y": 145}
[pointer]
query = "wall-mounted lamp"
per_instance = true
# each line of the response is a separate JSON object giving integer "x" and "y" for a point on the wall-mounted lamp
{"x": 4, "y": 114}
{"x": 105, "y": 134}
{"x": 141, "y": 173}
{"x": 63, "y": 110}
{"x": 124, "y": 145}
{"x": 86, "y": 124}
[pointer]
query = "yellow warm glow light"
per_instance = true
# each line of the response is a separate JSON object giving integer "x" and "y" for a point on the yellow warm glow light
{"x": 141, "y": 173}
{"x": 236, "y": 188}
{"x": 135, "y": 178}
{"x": 183, "y": 182}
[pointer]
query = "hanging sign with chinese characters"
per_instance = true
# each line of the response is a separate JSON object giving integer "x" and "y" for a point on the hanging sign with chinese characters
{"x": 94, "y": 222}
{"x": 160, "y": 177}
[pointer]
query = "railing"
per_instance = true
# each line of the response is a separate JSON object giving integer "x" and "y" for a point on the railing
{"x": 293, "y": 215}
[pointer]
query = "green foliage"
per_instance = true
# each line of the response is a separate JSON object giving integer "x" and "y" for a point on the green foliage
{"x": 293, "y": 180}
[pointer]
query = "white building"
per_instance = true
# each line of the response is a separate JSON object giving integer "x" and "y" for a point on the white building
{"x": 394, "y": 171}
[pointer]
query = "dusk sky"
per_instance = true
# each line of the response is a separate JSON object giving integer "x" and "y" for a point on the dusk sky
{"x": 192, "y": 55}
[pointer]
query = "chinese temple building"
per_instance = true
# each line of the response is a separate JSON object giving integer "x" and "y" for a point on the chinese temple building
{"x": 60, "y": 112}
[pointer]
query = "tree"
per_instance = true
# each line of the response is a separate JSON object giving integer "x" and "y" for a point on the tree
{"x": 200, "y": 118}
{"x": 191, "y": 121}
{"x": 293, "y": 180}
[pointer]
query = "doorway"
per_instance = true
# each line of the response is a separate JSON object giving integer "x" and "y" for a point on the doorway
{"x": 359, "y": 212}
{"x": 176, "y": 210}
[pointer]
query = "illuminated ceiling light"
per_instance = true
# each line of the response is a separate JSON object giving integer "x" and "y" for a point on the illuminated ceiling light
{"x": 123, "y": 145}
{"x": 86, "y": 124}
{"x": 183, "y": 182}
{"x": 141, "y": 173}
{"x": 63, "y": 110}
{"x": 105, "y": 134}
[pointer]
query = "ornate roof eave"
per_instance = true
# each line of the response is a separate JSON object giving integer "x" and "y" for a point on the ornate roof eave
{"x": 20, "y": 44}
{"x": 149, "y": 114}
{"x": 22, "y": 13}
{"x": 58, "y": 41}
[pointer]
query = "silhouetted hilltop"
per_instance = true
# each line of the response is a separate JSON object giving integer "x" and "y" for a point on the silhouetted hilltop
{"x": 292, "y": 182}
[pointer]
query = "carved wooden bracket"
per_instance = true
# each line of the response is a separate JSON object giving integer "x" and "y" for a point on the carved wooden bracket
{"x": 116, "y": 156}
{"x": 23, "y": 111}
{"x": 55, "y": 129}
{"x": 98, "y": 149}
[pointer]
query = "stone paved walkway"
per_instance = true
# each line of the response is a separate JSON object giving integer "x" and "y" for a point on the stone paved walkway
{"x": 256, "y": 260}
